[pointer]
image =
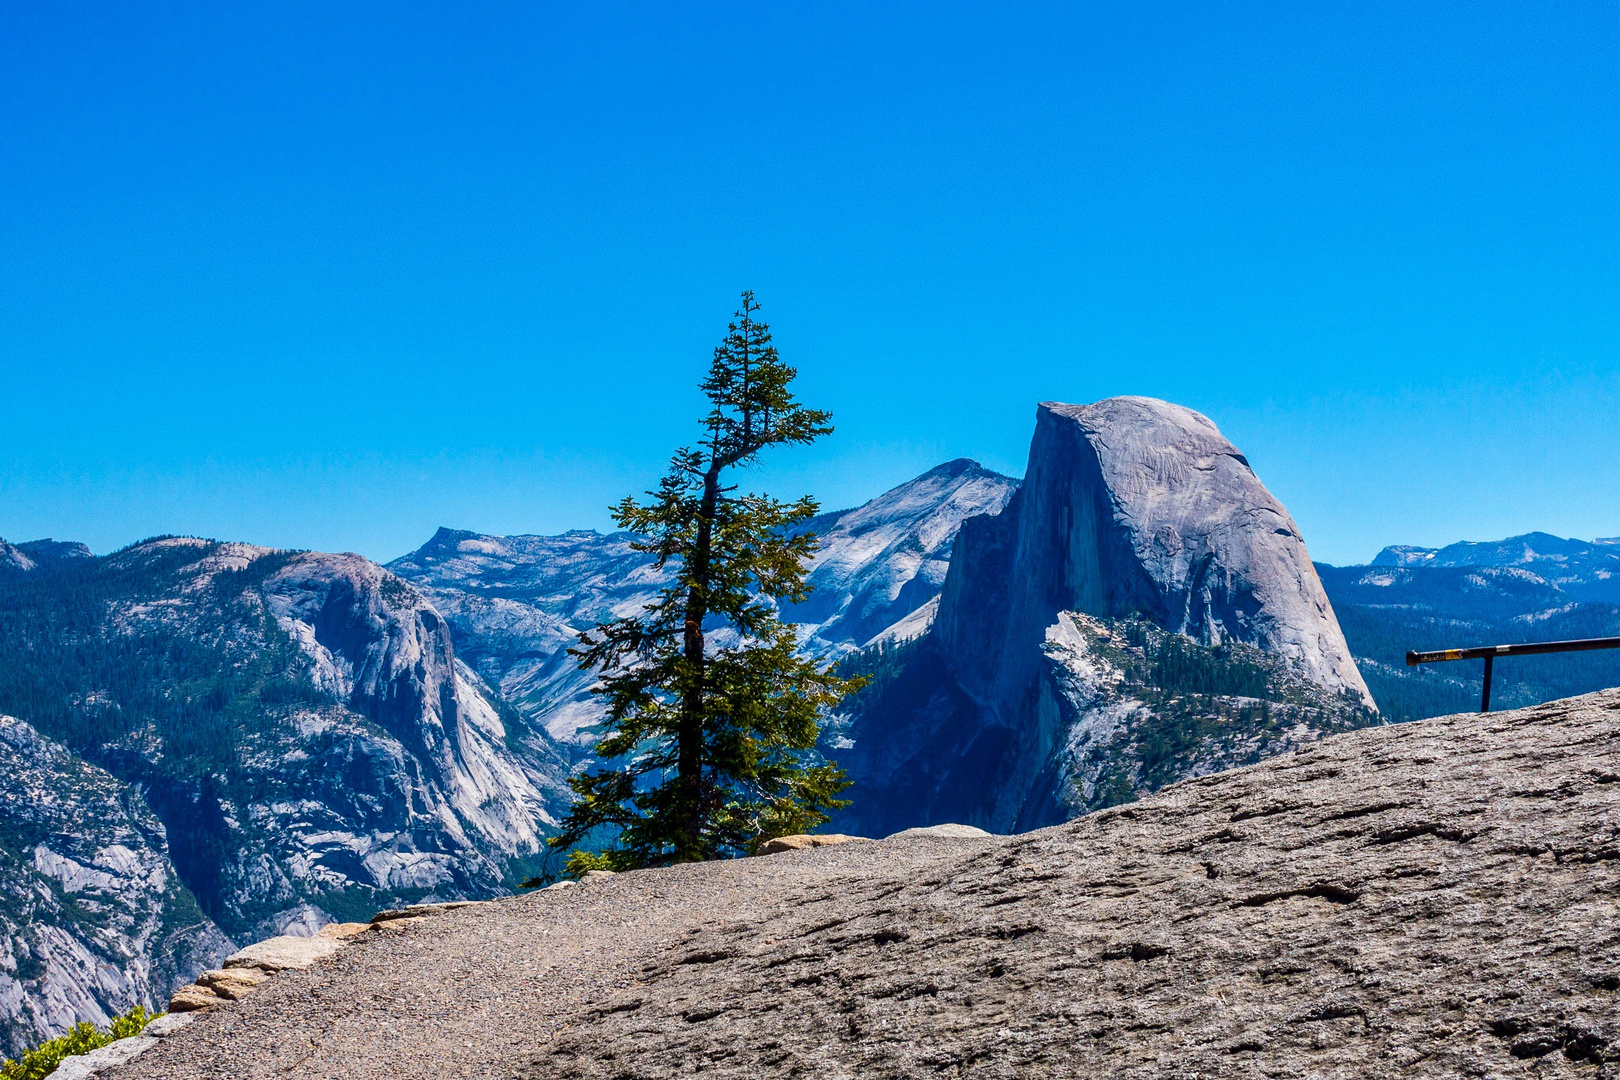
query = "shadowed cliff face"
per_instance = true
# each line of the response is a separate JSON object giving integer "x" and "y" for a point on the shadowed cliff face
{"x": 1131, "y": 509}
{"x": 93, "y": 920}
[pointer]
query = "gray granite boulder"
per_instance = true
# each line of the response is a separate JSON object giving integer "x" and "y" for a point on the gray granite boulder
{"x": 283, "y": 953}
{"x": 83, "y": 1066}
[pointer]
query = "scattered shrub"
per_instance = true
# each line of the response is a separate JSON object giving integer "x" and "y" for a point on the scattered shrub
{"x": 43, "y": 1059}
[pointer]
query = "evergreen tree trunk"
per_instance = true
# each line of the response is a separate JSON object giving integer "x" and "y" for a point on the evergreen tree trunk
{"x": 689, "y": 735}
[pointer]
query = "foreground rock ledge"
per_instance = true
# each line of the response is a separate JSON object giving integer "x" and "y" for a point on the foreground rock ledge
{"x": 1433, "y": 899}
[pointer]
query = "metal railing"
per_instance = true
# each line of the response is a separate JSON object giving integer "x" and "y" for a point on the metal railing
{"x": 1490, "y": 652}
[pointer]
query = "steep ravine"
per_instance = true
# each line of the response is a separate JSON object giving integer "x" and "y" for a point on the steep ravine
{"x": 1434, "y": 899}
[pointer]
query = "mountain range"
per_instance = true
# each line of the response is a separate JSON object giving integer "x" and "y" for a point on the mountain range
{"x": 1534, "y": 587}
{"x": 1581, "y": 569}
{"x": 515, "y": 604}
{"x": 205, "y": 743}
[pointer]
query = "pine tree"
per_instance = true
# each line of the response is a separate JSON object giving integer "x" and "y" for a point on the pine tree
{"x": 712, "y": 710}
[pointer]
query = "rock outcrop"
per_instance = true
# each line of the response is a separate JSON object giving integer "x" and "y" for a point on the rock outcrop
{"x": 1432, "y": 899}
{"x": 13, "y": 559}
{"x": 805, "y": 841}
{"x": 20, "y": 558}
{"x": 1131, "y": 509}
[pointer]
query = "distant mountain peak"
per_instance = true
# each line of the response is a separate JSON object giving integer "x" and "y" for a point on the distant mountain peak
{"x": 958, "y": 467}
{"x": 32, "y": 554}
{"x": 1404, "y": 555}
{"x": 1586, "y": 569}
{"x": 447, "y": 535}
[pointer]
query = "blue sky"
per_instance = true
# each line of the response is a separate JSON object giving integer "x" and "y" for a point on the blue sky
{"x": 330, "y": 276}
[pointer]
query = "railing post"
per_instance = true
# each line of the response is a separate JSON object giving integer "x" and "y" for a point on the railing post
{"x": 1489, "y": 653}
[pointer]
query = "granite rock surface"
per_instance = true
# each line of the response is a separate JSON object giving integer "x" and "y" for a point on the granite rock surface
{"x": 1434, "y": 899}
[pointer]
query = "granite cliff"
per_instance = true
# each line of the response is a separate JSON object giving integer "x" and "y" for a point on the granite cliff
{"x": 291, "y": 741}
{"x": 1131, "y": 509}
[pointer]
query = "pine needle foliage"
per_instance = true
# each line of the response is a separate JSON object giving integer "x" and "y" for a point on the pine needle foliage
{"x": 713, "y": 712}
